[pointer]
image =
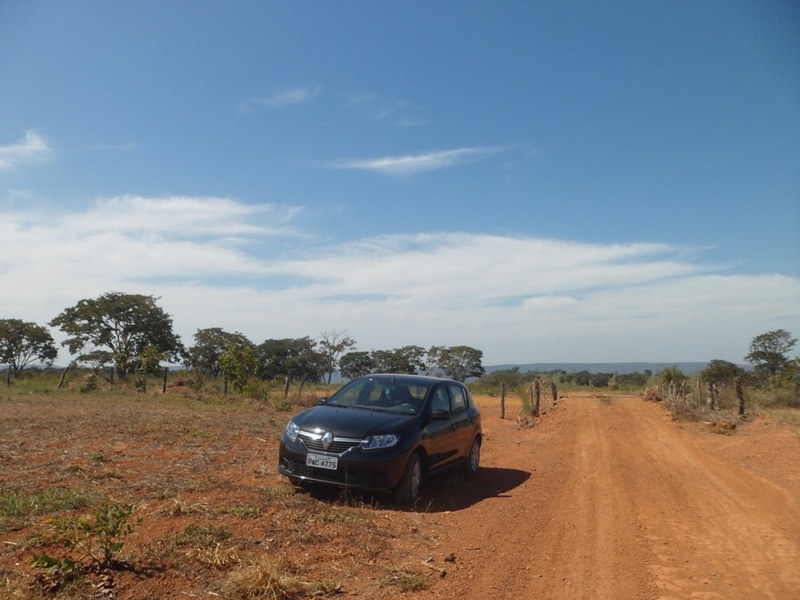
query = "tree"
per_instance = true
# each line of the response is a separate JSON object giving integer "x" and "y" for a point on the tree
{"x": 632, "y": 379}
{"x": 456, "y": 362}
{"x": 116, "y": 327}
{"x": 209, "y": 346}
{"x": 292, "y": 359}
{"x": 768, "y": 353}
{"x": 147, "y": 363}
{"x": 671, "y": 375}
{"x": 239, "y": 363}
{"x": 356, "y": 364}
{"x": 408, "y": 359}
{"x": 721, "y": 371}
{"x": 332, "y": 345}
{"x": 22, "y": 342}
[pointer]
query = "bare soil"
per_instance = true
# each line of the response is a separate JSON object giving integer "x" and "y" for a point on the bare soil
{"x": 602, "y": 497}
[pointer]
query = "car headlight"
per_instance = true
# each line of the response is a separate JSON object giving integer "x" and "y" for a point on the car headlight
{"x": 374, "y": 442}
{"x": 292, "y": 430}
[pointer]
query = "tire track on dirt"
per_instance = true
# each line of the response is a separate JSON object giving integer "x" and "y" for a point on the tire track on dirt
{"x": 621, "y": 504}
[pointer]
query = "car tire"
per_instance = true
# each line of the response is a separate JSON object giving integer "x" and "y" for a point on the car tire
{"x": 408, "y": 490}
{"x": 473, "y": 461}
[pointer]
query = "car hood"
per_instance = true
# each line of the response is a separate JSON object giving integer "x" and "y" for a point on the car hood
{"x": 352, "y": 422}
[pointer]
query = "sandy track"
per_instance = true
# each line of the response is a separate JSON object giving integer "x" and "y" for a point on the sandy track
{"x": 622, "y": 502}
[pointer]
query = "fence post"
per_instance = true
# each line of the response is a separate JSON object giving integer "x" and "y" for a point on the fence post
{"x": 537, "y": 392}
{"x": 63, "y": 376}
{"x": 502, "y": 400}
{"x": 737, "y": 386}
{"x": 8, "y": 376}
{"x": 554, "y": 391}
{"x": 164, "y": 387}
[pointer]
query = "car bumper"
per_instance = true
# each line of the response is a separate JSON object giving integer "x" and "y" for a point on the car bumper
{"x": 374, "y": 470}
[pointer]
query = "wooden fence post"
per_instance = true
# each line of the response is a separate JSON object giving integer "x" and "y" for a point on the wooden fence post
{"x": 502, "y": 400}
{"x": 63, "y": 375}
{"x": 554, "y": 391}
{"x": 537, "y": 392}
{"x": 164, "y": 387}
{"x": 737, "y": 386}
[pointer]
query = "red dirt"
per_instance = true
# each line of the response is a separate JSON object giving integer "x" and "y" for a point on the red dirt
{"x": 604, "y": 497}
{"x": 623, "y": 502}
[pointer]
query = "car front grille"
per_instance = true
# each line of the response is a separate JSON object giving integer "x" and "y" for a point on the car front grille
{"x": 339, "y": 445}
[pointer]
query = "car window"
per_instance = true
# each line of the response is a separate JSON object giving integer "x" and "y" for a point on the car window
{"x": 384, "y": 395}
{"x": 459, "y": 399}
{"x": 440, "y": 401}
{"x": 349, "y": 395}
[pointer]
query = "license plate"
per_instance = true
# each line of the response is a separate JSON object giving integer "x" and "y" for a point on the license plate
{"x": 322, "y": 461}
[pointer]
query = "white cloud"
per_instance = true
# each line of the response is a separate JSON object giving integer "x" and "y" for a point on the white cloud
{"x": 517, "y": 298}
{"x": 281, "y": 98}
{"x": 418, "y": 163}
{"x": 32, "y": 147}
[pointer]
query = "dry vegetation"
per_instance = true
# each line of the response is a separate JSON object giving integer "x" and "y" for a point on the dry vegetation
{"x": 119, "y": 494}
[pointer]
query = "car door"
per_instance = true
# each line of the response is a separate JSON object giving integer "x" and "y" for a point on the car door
{"x": 441, "y": 432}
{"x": 461, "y": 419}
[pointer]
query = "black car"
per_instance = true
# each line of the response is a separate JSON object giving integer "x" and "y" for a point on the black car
{"x": 384, "y": 432}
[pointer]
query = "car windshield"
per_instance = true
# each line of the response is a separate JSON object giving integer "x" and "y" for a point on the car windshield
{"x": 386, "y": 395}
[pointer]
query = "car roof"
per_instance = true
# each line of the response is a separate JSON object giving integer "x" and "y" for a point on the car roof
{"x": 407, "y": 378}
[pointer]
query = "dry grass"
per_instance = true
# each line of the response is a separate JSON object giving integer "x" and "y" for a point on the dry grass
{"x": 201, "y": 472}
{"x": 265, "y": 578}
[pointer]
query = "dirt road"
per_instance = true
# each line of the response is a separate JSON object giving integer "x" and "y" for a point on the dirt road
{"x": 607, "y": 497}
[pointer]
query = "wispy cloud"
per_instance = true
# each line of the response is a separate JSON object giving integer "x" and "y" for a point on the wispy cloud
{"x": 419, "y": 163}
{"x": 517, "y": 298}
{"x": 395, "y": 112}
{"x": 32, "y": 147}
{"x": 281, "y": 98}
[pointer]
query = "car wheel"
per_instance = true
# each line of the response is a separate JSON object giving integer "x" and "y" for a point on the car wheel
{"x": 408, "y": 490}
{"x": 473, "y": 458}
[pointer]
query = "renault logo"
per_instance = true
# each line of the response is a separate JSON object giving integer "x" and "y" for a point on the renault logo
{"x": 327, "y": 439}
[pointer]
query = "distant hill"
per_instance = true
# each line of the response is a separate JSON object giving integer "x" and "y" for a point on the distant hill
{"x": 689, "y": 368}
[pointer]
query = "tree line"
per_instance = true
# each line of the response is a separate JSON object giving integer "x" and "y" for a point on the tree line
{"x": 134, "y": 335}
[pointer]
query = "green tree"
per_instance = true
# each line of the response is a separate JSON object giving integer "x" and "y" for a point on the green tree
{"x": 408, "y": 359}
{"x": 599, "y": 380}
{"x": 296, "y": 360}
{"x": 670, "y": 375}
{"x": 721, "y": 371}
{"x": 148, "y": 363}
{"x": 491, "y": 383}
{"x": 332, "y": 345}
{"x": 209, "y": 346}
{"x": 634, "y": 379}
{"x": 768, "y": 353}
{"x": 22, "y": 342}
{"x": 457, "y": 362}
{"x": 116, "y": 327}
{"x": 239, "y": 364}
{"x": 356, "y": 364}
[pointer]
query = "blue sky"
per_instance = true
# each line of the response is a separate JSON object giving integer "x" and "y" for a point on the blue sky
{"x": 544, "y": 181}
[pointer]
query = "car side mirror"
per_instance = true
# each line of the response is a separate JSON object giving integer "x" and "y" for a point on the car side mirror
{"x": 323, "y": 400}
{"x": 440, "y": 414}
